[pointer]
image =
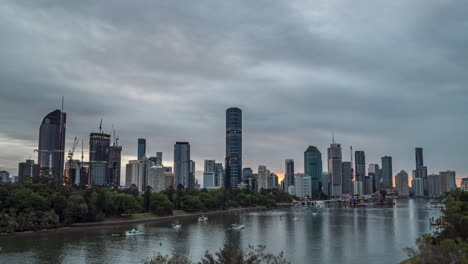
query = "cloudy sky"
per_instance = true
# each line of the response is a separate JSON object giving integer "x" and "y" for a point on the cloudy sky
{"x": 386, "y": 76}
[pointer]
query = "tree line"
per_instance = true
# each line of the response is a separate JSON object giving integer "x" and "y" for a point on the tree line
{"x": 451, "y": 244}
{"x": 43, "y": 204}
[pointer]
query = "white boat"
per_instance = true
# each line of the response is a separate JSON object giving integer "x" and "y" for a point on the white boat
{"x": 236, "y": 227}
{"x": 133, "y": 232}
{"x": 176, "y": 225}
{"x": 295, "y": 219}
{"x": 314, "y": 213}
{"x": 202, "y": 218}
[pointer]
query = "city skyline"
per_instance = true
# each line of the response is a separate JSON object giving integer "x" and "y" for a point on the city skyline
{"x": 407, "y": 82}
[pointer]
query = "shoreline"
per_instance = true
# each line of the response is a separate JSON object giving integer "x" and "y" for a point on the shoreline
{"x": 94, "y": 225}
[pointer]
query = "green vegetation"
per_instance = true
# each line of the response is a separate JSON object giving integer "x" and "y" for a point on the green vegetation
{"x": 450, "y": 245}
{"x": 228, "y": 254}
{"x": 43, "y": 204}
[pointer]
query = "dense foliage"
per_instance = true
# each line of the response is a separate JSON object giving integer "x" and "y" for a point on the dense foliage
{"x": 43, "y": 204}
{"x": 228, "y": 254}
{"x": 450, "y": 245}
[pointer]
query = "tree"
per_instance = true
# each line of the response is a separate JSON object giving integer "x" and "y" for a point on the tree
{"x": 125, "y": 203}
{"x": 191, "y": 203}
{"x": 160, "y": 204}
{"x": 147, "y": 198}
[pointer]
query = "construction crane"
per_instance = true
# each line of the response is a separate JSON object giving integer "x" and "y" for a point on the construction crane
{"x": 72, "y": 150}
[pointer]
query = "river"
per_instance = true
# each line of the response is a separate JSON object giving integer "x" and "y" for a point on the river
{"x": 334, "y": 235}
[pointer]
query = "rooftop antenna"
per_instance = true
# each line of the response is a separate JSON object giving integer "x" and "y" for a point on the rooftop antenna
{"x": 100, "y": 127}
{"x": 82, "y": 153}
{"x": 352, "y": 165}
{"x": 333, "y": 136}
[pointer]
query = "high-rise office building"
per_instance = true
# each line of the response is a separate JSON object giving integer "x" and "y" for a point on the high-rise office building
{"x": 159, "y": 156}
{"x": 115, "y": 161}
{"x": 313, "y": 169}
{"x": 419, "y": 160}
{"x": 209, "y": 174}
{"x": 298, "y": 191}
{"x": 192, "y": 180}
{"x": 401, "y": 184}
{"x": 99, "y": 150}
{"x": 418, "y": 187}
{"x": 387, "y": 173}
{"x": 233, "y": 147}
{"x": 347, "y": 168}
{"x": 247, "y": 172}
{"x": 447, "y": 181}
{"x": 138, "y": 173}
{"x": 289, "y": 172}
{"x": 334, "y": 169}
{"x": 376, "y": 174}
{"x": 157, "y": 178}
{"x": 182, "y": 164}
{"x": 433, "y": 185}
{"x": 464, "y": 184}
{"x": 263, "y": 174}
{"x": 273, "y": 181}
{"x": 51, "y": 149}
{"x": 219, "y": 175}
{"x": 141, "y": 148}
{"x": 360, "y": 165}
{"x": 326, "y": 185}
{"x": 27, "y": 170}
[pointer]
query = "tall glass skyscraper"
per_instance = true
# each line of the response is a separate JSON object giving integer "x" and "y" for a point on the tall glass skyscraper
{"x": 313, "y": 169}
{"x": 51, "y": 150}
{"x": 387, "y": 174}
{"x": 141, "y": 148}
{"x": 99, "y": 150}
{"x": 182, "y": 164}
{"x": 233, "y": 147}
{"x": 335, "y": 170}
{"x": 289, "y": 172}
{"x": 360, "y": 165}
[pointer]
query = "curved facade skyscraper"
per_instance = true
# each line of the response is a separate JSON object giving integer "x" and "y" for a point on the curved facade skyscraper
{"x": 51, "y": 150}
{"x": 233, "y": 147}
{"x": 182, "y": 164}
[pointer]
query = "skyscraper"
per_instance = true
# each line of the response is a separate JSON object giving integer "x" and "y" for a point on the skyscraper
{"x": 360, "y": 165}
{"x": 263, "y": 174}
{"x": 387, "y": 178}
{"x": 334, "y": 169}
{"x": 219, "y": 175}
{"x": 233, "y": 147}
{"x": 347, "y": 177}
{"x": 115, "y": 160}
{"x": 159, "y": 156}
{"x": 447, "y": 181}
{"x": 401, "y": 184}
{"x": 433, "y": 184}
{"x": 313, "y": 169}
{"x": 289, "y": 172}
{"x": 192, "y": 180}
{"x": 375, "y": 173}
{"x": 181, "y": 164}
{"x": 209, "y": 174}
{"x": 27, "y": 170}
{"x": 51, "y": 148}
{"x": 419, "y": 160}
{"x": 141, "y": 148}
{"x": 99, "y": 150}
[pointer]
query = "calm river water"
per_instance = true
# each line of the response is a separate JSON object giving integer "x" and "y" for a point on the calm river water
{"x": 334, "y": 235}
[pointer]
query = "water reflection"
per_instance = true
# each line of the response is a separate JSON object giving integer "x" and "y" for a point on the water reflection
{"x": 334, "y": 235}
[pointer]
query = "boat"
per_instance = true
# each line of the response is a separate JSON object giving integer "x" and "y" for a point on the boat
{"x": 314, "y": 213}
{"x": 236, "y": 227}
{"x": 202, "y": 218}
{"x": 176, "y": 225}
{"x": 133, "y": 232}
{"x": 295, "y": 219}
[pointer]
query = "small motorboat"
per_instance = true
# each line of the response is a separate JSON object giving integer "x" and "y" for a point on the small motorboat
{"x": 314, "y": 213}
{"x": 295, "y": 219}
{"x": 236, "y": 227}
{"x": 176, "y": 225}
{"x": 202, "y": 218}
{"x": 133, "y": 232}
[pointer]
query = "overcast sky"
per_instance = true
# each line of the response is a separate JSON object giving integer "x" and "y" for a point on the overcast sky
{"x": 386, "y": 76}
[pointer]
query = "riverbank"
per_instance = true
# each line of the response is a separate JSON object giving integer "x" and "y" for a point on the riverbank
{"x": 146, "y": 218}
